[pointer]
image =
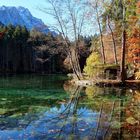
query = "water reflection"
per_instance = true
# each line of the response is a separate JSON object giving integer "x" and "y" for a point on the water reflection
{"x": 47, "y": 107}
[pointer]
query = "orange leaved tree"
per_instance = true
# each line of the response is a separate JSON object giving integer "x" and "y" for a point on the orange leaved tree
{"x": 134, "y": 39}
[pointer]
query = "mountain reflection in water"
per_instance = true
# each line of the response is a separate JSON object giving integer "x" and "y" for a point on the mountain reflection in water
{"x": 47, "y": 107}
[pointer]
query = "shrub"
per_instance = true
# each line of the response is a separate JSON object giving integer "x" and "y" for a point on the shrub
{"x": 91, "y": 64}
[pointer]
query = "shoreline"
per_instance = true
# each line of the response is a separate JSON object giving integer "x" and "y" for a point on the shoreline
{"x": 107, "y": 83}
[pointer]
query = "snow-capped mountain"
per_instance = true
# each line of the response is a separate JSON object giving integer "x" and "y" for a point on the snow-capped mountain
{"x": 21, "y": 16}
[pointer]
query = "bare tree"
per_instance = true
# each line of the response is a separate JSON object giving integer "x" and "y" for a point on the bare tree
{"x": 113, "y": 40}
{"x": 95, "y": 7}
{"x": 69, "y": 16}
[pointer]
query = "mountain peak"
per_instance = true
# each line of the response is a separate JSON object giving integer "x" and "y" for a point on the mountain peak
{"x": 21, "y": 16}
{"x": 22, "y": 9}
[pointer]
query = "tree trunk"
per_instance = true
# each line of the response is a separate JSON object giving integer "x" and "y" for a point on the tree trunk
{"x": 103, "y": 50}
{"x": 114, "y": 44}
{"x": 75, "y": 63}
{"x": 122, "y": 66}
{"x": 101, "y": 35}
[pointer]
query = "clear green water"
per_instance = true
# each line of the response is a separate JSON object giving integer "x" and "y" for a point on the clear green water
{"x": 48, "y": 108}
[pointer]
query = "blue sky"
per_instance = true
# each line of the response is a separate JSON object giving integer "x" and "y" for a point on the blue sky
{"x": 32, "y": 5}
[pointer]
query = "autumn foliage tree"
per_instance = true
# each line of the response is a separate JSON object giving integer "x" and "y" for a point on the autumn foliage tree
{"x": 134, "y": 40}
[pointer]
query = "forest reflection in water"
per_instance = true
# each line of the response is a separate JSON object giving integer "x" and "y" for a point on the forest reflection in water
{"x": 47, "y": 107}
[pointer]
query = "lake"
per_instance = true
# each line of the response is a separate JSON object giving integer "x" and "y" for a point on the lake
{"x": 47, "y": 107}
